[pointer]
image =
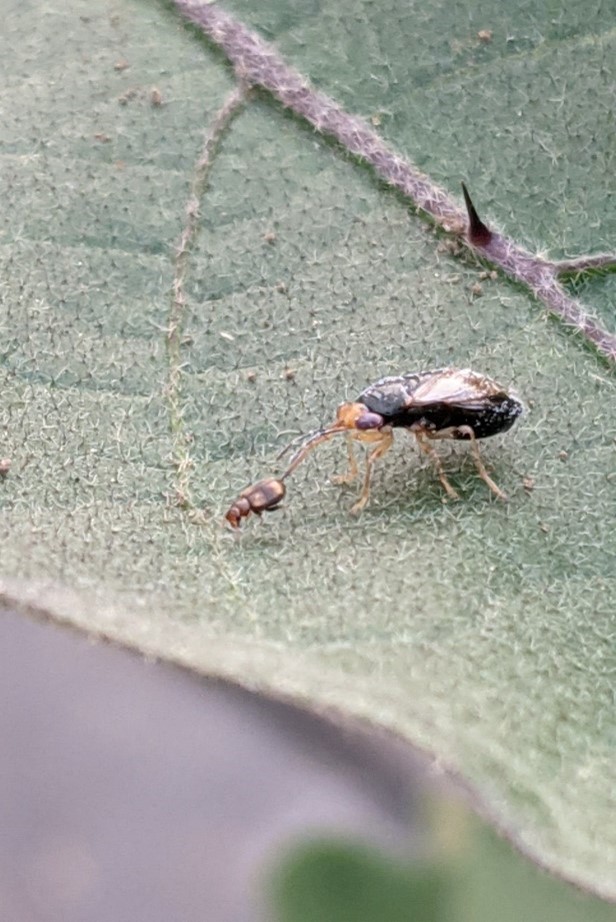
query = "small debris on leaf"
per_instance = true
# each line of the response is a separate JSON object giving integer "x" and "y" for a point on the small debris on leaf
{"x": 126, "y": 97}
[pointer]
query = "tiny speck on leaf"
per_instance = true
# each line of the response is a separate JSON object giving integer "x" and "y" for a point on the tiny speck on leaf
{"x": 126, "y": 97}
{"x": 452, "y": 247}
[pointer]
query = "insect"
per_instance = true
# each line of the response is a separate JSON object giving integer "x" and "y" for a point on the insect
{"x": 446, "y": 403}
{"x": 265, "y": 494}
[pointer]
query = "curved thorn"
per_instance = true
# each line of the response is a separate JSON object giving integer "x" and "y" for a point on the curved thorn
{"x": 478, "y": 234}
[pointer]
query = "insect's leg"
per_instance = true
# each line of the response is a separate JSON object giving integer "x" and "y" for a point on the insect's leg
{"x": 353, "y": 470}
{"x": 423, "y": 440}
{"x": 385, "y": 441}
{"x": 466, "y": 430}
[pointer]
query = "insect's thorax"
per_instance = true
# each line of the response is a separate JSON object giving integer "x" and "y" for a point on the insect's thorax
{"x": 444, "y": 399}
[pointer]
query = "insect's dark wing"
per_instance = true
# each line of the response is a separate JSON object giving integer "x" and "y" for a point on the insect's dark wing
{"x": 455, "y": 387}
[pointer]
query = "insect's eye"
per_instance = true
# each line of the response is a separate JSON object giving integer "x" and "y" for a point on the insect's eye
{"x": 369, "y": 420}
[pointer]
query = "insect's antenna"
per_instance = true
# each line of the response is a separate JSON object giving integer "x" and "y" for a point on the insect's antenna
{"x": 302, "y": 437}
{"x": 309, "y": 442}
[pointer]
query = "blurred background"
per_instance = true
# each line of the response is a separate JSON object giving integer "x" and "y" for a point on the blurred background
{"x": 135, "y": 790}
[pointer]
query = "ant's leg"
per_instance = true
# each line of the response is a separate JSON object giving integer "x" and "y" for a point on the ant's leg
{"x": 466, "y": 430}
{"x": 353, "y": 470}
{"x": 424, "y": 443}
{"x": 385, "y": 441}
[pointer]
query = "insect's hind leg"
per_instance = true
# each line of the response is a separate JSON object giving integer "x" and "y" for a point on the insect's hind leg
{"x": 467, "y": 431}
{"x": 385, "y": 441}
{"x": 423, "y": 440}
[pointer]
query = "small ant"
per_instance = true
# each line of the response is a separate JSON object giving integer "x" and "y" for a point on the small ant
{"x": 447, "y": 403}
{"x": 259, "y": 497}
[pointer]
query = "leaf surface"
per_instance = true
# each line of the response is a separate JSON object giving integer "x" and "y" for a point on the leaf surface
{"x": 483, "y": 632}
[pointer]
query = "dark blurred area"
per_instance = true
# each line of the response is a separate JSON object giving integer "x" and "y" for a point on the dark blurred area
{"x": 135, "y": 790}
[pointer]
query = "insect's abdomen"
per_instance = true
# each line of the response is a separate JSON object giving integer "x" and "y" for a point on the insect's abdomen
{"x": 485, "y": 419}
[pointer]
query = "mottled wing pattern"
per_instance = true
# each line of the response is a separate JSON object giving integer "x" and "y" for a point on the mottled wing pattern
{"x": 455, "y": 387}
{"x": 392, "y": 394}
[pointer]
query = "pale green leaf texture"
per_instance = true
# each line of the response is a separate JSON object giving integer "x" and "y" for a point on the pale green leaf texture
{"x": 481, "y": 631}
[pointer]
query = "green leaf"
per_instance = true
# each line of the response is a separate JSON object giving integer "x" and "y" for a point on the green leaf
{"x": 482, "y": 632}
{"x": 331, "y": 882}
{"x": 476, "y": 878}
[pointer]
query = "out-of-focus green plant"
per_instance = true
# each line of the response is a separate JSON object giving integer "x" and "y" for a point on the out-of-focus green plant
{"x": 482, "y": 880}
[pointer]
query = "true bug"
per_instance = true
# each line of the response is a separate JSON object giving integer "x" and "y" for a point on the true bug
{"x": 447, "y": 403}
